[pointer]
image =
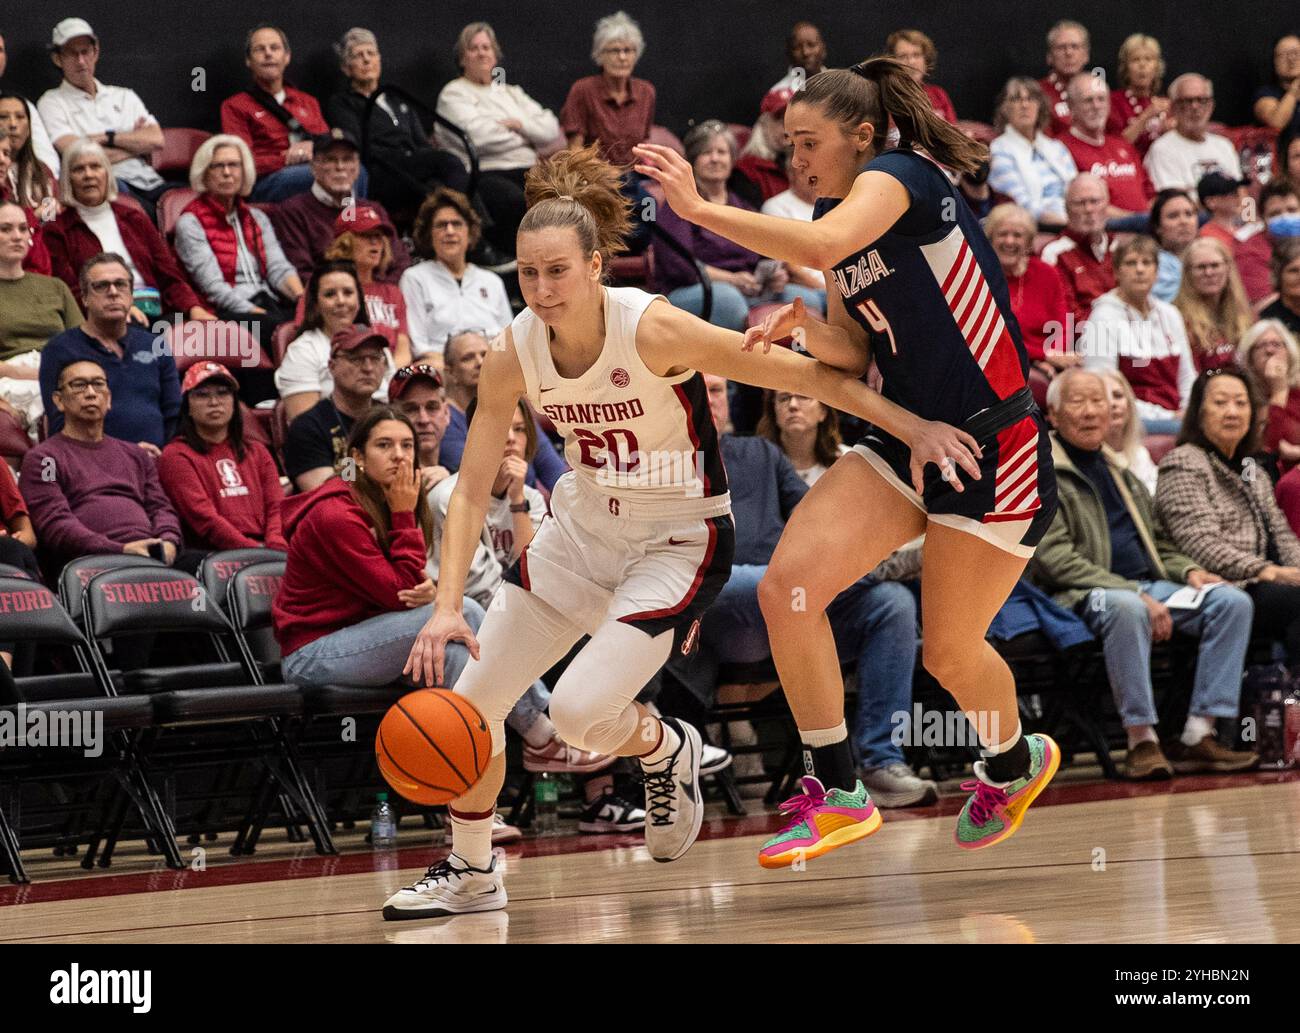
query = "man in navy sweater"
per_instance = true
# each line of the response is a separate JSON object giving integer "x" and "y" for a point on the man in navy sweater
{"x": 874, "y": 621}
{"x": 141, "y": 373}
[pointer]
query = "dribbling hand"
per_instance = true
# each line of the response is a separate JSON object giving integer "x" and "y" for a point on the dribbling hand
{"x": 946, "y": 447}
{"x": 428, "y": 652}
{"x": 776, "y": 327}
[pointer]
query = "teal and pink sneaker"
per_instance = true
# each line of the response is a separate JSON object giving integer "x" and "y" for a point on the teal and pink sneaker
{"x": 820, "y": 820}
{"x": 994, "y": 812}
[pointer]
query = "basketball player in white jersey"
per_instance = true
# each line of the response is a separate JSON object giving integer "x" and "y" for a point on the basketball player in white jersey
{"x": 639, "y": 541}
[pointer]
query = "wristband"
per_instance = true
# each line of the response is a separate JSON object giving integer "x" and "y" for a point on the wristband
{"x": 519, "y": 507}
{"x": 110, "y": 138}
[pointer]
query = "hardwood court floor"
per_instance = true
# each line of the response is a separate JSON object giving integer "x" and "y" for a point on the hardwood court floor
{"x": 1201, "y": 866}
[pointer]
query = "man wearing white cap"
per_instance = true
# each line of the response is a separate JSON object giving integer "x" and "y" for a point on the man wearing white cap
{"x": 112, "y": 116}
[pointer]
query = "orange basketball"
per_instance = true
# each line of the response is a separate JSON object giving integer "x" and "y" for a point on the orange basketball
{"x": 432, "y": 746}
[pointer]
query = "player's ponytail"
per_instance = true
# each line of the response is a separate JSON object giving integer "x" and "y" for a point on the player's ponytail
{"x": 881, "y": 88}
{"x": 580, "y": 189}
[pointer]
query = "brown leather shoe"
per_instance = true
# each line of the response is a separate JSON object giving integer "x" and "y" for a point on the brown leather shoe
{"x": 1146, "y": 763}
{"x": 1208, "y": 755}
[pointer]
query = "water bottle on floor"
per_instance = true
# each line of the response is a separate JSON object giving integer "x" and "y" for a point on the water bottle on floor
{"x": 546, "y": 805}
{"x": 383, "y": 824}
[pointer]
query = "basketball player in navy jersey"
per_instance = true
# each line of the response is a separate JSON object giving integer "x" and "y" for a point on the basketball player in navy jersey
{"x": 914, "y": 284}
{"x": 639, "y": 540}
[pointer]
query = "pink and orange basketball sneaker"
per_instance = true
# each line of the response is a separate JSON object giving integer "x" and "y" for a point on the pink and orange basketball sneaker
{"x": 994, "y": 812}
{"x": 820, "y": 820}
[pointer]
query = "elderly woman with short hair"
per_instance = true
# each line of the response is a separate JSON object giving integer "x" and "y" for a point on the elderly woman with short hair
{"x": 1270, "y": 357}
{"x": 504, "y": 124}
{"x": 740, "y": 278}
{"x": 229, "y": 247}
{"x": 1036, "y": 290}
{"x": 94, "y": 221}
{"x": 1027, "y": 165}
{"x": 404, "y": 165}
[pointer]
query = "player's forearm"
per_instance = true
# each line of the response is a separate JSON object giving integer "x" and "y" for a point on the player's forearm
{"x": 790, "y": 240}
{"x": 460, "y": 538}
{"x": 851, "y": 395}
{"x": 834, "y": 346}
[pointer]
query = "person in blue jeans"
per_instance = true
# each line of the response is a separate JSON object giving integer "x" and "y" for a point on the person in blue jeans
{"x": 1107, "y": 557}
{"x": 740, "y": 278}
{"x": 874, "y": 622}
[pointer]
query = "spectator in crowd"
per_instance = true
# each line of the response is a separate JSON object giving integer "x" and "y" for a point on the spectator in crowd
{"x": 917, "y": 50}
{"x": 740, "y": 279}
{"x": 504, "y": 124}
{"x": 1106, "y": 557}
{"x": 1137, "y": 105}
{"x": 1174, "y": 225}
{"x": 29, "y": 180}
{"x": 874, "y": 622}
{"x": 38, "y": 255}
{"x": 1247, "y": 242}
{"x": 804, "y": 429}
{"x": 1143, "y": 337}
{"x": 224, "y": 487}
{"x": 1189, "y": 150}
{"x": 1286, "y": 281}
{"x": 90, "y": 493}
{"x": 614, "y": 108}
{"x": 1278, "y": 198}
{"x": 762, "y": 161}
{"x": 355, "y": 594}
{"x": 1082, "y": 253}
{"x": 806, "y": 51}
{"x": 797, "y": 203}
{"x": 404, "y": 166}
{"x": 1225, "y": 518}
{"x": 33, "y": 308}
{"x": 305, "y": 223}
{"x": 335, "y": 302}
{"x": 417, "y": 390}
{"x": 1038, "y": 296}
{"x": 1068, "y": 51}
{"x": 315, "y": 447}
{"x": 466, "y": 350}
{"x": 45, "y": 152}
{"x": 364, "y": 237}
{"x": 275, "y": 121}
{"x": 1270, "y": 357}
{"x": 1028, "y": 166}
{"x": 1288, "y": 159}
{"x": 1275, "y": 104}
{"x": 140, "y": 369}
{"x": 17, "y": 541}
{"x": 1106, "y": 155}
{"x": 1213, "y": 304}
{"x": 94, "y": 221}
{"x": 113, "y": 116}
{"x": 444, "y": 291}
{"x": 228, "y": 247}
{"x": 1124, "y": 435}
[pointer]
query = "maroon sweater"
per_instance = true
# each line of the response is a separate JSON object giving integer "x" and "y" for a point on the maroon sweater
{"x": 336, "y": 575}
{"x": 72, "y": 243}
{"x": 224, "y": 503}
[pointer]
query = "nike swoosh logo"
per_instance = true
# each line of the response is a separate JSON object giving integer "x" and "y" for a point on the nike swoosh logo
{"x": 683, "y": 541}
{"x": 545, "y": 389}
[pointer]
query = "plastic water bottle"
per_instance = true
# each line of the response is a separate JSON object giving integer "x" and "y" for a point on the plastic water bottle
{"x": 383, "y": 824}
{"x": 546, "y": 805}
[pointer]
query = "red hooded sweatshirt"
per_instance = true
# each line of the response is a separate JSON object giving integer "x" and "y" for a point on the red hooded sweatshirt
{"x": 336, "y": 576}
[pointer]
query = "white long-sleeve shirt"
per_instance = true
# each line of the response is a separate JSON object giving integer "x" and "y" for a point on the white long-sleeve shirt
{"x": 479, "y": 110}
{"x": 437, "y": 303}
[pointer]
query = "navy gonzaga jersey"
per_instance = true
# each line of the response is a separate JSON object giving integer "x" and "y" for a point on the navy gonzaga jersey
{"x": 931, "y": 294}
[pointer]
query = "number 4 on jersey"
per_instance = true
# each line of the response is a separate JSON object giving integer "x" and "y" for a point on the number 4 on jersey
{"x": 877, "y": 321}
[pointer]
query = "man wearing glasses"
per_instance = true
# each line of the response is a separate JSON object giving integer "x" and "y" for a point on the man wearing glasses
{"x": 1068, "y": 50}
{"x": 140, "y": 370}
{"x": 1189, "y": 150}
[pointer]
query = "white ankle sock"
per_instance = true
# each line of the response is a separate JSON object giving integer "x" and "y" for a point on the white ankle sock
{"x": 824, "y": 736}
{"x": 667, "y": 745}
{"x": 1142, "y": 733}
{"x": 471, "y": 839}
{"x": 1197, "y": 728}
{"x": 1002, "y": 747}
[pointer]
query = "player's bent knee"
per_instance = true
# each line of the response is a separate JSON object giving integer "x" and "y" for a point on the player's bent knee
{"x": 945, "y": 661}
{"x": 590, "y": 726}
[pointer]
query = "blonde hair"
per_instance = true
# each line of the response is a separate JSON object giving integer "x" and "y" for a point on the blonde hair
{"x": 1006, "y": 212}
{"x": 344, "y": 246}
{"x": 1128, "y": 50}
{"x": 579, "y": 189}
{"x": 468, "y": 33}
{"x": 1131, "y": 436}
{"x": 79, "y": 148}
{"x": 1251, "y": 337}
{"x": 208, "y": 150}
{"x": 1228, "y": 314}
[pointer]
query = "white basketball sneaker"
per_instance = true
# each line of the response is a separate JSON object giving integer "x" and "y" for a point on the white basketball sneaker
{"x": 449, "y": 887}
{"x": 674, "y": 806}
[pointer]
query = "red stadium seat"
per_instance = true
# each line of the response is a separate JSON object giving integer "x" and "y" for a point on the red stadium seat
{"x": 981, "y": 131}
{"x": 178, "y": 149}
{"x": 14, "y": 441}
{"x": 131, "y": 201}
{"x": 217, "y": 341}
{"x": 280, "y": 341}
{"x": 741, "y": 133}
{"x": 170, "y": 206}
{"x": 1159, "y": 444}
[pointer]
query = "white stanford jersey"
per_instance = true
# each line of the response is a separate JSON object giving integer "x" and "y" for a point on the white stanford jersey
{"x": 647, "y": 441}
